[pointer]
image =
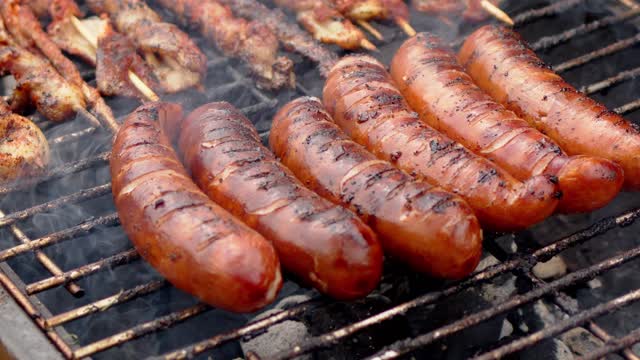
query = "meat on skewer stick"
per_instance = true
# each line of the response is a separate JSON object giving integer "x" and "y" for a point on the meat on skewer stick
{"x": 398, "y": 11}
{"x": 471, "y": 10}
{"x": 251, "y": 41}
{"x": 290, "y": 35}
{"x": 175, "y": 59}
{"x": 25, "y": 28}
{"x": 327, "y": 24}
{"x": 362, "y": 11}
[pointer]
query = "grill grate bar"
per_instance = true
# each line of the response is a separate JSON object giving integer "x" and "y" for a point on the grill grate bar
{"x": 609, "y": 82}
{"x": 574, "y": 321}
{"x": 70, "y": 233}
{"x": 625, "y": 109}
{"x": 56, "y": 173}
{"x": 77, "y": 197}
{"x": 73, "y": 136}
{"x": 141, "y": 330}
{"x": 75, "y": 274}
{"x": 553, "y": 40}
{"x": 405, "y": 346}
{"x": 605, "y": 51}
{"x": 105, "y": 304}
{"x": 554, "y": 8}
{"x": 614, "y": 345}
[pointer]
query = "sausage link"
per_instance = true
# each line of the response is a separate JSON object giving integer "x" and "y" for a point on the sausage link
{"x": 444, "y": 95}
{"x": 324, "y": 244}
{"x": 368, "y": 107}
{"x": 431, "y": 230}
{"x": 501, "y": 63}
{"x": 198, "y": 246}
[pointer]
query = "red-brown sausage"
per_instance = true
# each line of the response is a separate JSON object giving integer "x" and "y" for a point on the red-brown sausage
{"x": 431, "y": 230}
{"x": 324, "y": 244}
{"x": 368, "y": 107}
{"x": 444, "y": 95}
{"x": 504, "y": 66}
{"x": 198, "y": 246}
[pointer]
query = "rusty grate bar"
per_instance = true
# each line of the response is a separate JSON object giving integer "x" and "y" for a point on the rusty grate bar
{"x": 70, "y": 233}
{"x": 625, "y": 109}
{"x": 611, "y": 81}
{"x": 554, "y": 8}
{"x": 553, "y": 40}
{"x": 605, "y": 51}
{"x": 615, "y": 345}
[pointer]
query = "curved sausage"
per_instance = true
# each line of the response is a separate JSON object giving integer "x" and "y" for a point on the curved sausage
{"x": 444, "y": 95}
{"x": 198, "y": 246}
{"x": 431, "y": 230}
{"x": 324, "y": 244}
{"x": 368, "y": 107}
{"x": 503, "y": 65}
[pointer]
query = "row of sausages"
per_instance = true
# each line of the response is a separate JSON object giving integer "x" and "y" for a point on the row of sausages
{"x": 360, "y": 173}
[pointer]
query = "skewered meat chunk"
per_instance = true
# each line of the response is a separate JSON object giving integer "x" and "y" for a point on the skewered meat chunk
{"x": 251, "y": 41}
{"x": 290, "y": 35}
{"x": 175, "y": 59}
{"x": 24, "y": 150}
{"x": 363, "y": 10}
{"x": 471, "y": 10}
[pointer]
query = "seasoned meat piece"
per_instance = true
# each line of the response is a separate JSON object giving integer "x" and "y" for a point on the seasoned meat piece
{"x": 363, "y": 10}
{"x": 471, "y": 10}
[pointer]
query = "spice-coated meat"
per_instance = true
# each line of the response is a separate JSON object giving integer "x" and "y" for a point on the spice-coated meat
{"x": 175, "y": 59}
{"x": 432, "y": 230}
{"x": 324, "y": 244}
{"x": 444, "y": 95}
{"x": 470, "y": 10}
{"x": 366, "y": 104}
{"x": 251, "y": 41}
{"x": 197, "y": 245}
{"x": 504, "y": 66}
{"x": 363, "y": 10}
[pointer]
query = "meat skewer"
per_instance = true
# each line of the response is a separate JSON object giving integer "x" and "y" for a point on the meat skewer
{"x": 366, "y": 104}
{"x": 290, "y": 35}
{"x": 362, "y": 11}
{"x": 177, "y": 62}
{"x": 503, "y": 65}
{"x": 471, "y": 10}
{"x": 27, "y": 32}
{"x": 324, "y": 244}
{"x": 431, "y": 230}
{"x": 398, "y": 11}
{"x": 196, "y": 244}
{"x": 437, "y": 87}
{"x": 251, "y": 41}
{"x": 327, "y": 24}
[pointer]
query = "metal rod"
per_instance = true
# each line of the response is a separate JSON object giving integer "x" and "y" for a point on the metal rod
{"x": 80, "y": 196}
{"x": 625, "y": 109}
{"x": 614, "y": 345}
{"x": 72, "y": 136}
{"x": 553, "y": 40}
{"x": 140, "y": 330}
{"x": 70, "y": 233}
{"x": 85, "y": 270}
{"x": 561, "y": 327}
{"x": 105, "y": 304}
{"x": 554, "y": 8}
{"x": 61, "y": 171}
{"x": 609, "y": 82}
{"x": 611, "y": 49}
{"x": 405, "y": 346}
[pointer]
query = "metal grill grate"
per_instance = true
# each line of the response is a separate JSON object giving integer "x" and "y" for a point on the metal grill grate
{"x": 236, "y": 87}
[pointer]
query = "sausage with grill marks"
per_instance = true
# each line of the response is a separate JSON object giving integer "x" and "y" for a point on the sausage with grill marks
{"x": 198, "y": 246}
{"x": 431, "y": 230}
{"x": 324, "y": 244}
{"x": 366, "y": 104}
{"x": 444, "y": 95}
{"x": 502, "y": 64}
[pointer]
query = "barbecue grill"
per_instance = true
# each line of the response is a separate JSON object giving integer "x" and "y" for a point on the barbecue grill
{"x": 73, "y": 286}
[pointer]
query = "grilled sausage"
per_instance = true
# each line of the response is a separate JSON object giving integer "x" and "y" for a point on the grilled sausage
{"x": 444, "y": 95}
{"x": 504, "y": 66}
{"x": 369, "y": 108}
{"x": 198, "y": 246}
{"x": 324, "y": 244}
{"x": 431, "y": 230}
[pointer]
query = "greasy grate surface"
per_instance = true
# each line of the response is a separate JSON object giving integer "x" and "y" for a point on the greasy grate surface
{"x": 60, "y": 238}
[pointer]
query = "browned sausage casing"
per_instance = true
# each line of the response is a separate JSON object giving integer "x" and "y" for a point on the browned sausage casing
{"x": 431, "y": 230}
{"x": 444, "y": 95}
{"x": 324, "y": 244}
{"x": 504, "y": 66}
{"x": 198, "y": 246}
{"x": 368, "y": 107}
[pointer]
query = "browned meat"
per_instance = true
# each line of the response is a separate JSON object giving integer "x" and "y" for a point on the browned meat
{"x": 24, "y": 150}
{"x": 363, "y": 10}
{"x": 251, "y": 41}
{"x": 471, "y": 10}
{"x": 40, "y": 7}
{"x": 175, "y": 59}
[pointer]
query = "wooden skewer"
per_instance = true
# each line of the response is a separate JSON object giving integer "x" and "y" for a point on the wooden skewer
{"x": 135, "y": 79}
{"x": 368, "y": 45}
{"x": 88, "y": 116}
{"x": 371, "y": 29}
{"x": 496, "y": 12}
{"x": 405, "y": 26}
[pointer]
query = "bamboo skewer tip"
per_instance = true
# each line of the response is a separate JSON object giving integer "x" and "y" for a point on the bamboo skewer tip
{"x": 496, "y": 12}
{"x": 367, "y": 26}
{"x": 368, "y": 45}
{"x": 405, "y": 26}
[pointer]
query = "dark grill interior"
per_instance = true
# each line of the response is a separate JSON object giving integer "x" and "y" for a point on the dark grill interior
{"x": 67, "y": 263}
